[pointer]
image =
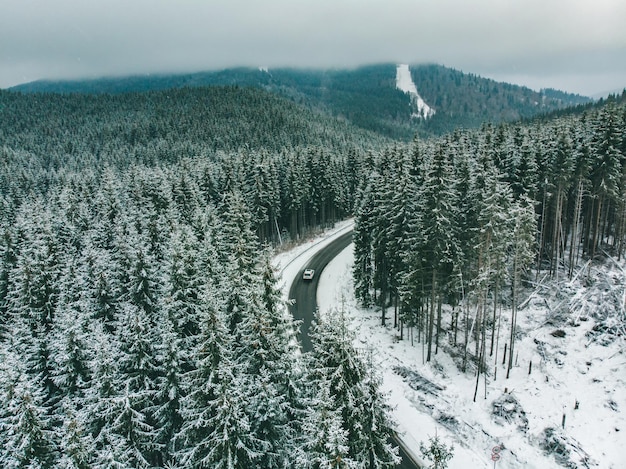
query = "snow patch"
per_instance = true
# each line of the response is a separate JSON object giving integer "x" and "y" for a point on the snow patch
{"x": 580, "y": 375}
{"x": 404, "y": 82}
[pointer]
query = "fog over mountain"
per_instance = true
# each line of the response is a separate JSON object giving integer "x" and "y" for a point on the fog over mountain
{"x": 576, "y": 46}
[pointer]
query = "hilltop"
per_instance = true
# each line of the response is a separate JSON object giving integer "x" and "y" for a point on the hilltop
{"x": 367, "y": 96}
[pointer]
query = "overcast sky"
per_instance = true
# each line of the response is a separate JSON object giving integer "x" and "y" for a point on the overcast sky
{"x": 573, "y": 45}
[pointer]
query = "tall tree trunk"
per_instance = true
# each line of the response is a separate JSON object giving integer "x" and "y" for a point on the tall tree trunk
{"x": 541, "y": 230}
{"x": 439, "y": 301}
{"x": 496, "y": 290}
{"x": 431, "y": 315}
{"x": 596, "y": 229}
{"x": 575, "y": 242}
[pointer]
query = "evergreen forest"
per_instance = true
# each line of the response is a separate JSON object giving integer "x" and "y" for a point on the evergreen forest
{"x": 449, "y": 231}
{"x": 140, "y": 321}
{"x": 365, "y": 96}
{"x": 141, "y": 324}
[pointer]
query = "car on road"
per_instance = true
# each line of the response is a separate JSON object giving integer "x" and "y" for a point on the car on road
{"x": 308, "y": 274}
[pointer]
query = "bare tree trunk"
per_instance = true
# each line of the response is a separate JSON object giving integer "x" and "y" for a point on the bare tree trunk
{"x": 495, "y": 310}
{"x": 596, "y": 230}
{"x": 431, "y": 316}
{"x": 574, "y": 244}
{"x": 513, "y": 316}
{"x": 481, "y": 356}
{"x": 438, "y": 324}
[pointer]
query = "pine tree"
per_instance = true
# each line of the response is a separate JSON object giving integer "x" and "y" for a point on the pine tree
{"x": 33, "y": 293}
{"x": 334, "y": 363}
{"x": 212, "y": 359}
{"x": 237, "y": 250}
{"x": 103, "y": 367}
{"x": 523, "y": 253}
{"x": 70, "y": 341}
{"x": 75, "y": 442}
{"x": 326, "y": 441}
{"x": 132, "y": 407}
{"x": 173, "y": 360}
{"x": 362, "y": 238}
{"x": 264, "y": 356}
{"x": 440, "y": 249}
{"x": 412, "y": 277}
{"x": 437, "y": 452}
{"x": 605, "y": 172}
{"x": 377, "y": 450}
{"x": 27, "y": 437}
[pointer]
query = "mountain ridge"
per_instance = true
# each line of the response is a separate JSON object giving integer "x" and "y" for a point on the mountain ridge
{"x": 367, "y": 96}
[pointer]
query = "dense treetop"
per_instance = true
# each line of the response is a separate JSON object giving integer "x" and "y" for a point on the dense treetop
{"x": 140, "y": 322}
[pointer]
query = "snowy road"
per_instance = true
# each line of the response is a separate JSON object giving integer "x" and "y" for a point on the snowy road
{"x": 305, "y": 295}
{"x": 304, "y": 291}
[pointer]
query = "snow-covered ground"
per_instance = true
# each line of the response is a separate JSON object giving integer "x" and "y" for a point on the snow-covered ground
{"x": 573, "y": 375}
{"x": 405, "y": 83}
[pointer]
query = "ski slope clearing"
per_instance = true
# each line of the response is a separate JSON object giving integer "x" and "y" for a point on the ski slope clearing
{"x": 404, "y": 82}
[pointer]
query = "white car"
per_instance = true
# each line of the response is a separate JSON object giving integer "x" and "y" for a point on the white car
{"x": 308, "y": 274}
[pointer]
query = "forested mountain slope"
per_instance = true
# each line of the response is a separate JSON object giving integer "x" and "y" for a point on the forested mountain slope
{"x": 366, "y": 96}
{"x": 467, "y": 100}
{"x": 301, "y": 164}
{"x": 140, "y": 323}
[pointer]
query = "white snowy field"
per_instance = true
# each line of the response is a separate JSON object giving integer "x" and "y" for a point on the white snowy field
{"x": 573, "y": 375}
{"x": 404, "y": 82}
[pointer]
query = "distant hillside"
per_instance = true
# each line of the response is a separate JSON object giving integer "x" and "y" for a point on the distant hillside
{"x": 366, "y": 96}
{"x": 79, "y": 130}
{"x": 466, "y": 100}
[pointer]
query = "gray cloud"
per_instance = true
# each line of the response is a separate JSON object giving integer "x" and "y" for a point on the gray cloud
{"x": 576, "y": 45}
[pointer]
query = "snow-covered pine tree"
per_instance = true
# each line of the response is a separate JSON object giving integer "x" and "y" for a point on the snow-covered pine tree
{"x": 377, "y": 450}
{"x": 216, "y": 430}
{"x": 265, "y": 356}
{"x": 173, "y": 360}
{"x": 211, "y": 360}
{"x": 412, "y": 276}
{"x": 606, "y": 172}
{"x": 70, "y": 338}
{"x": 76, "y": 445}
{"x": 237, "y": 248}
{"x": 33, "y": 291}
{"x": 183, "y": 280}
{"x": 522, "y": 252}
{"x": 132, "y": 408}
{"x": 362, "y": 239}
{"x": 110, "y": 450}
{"x": 440, "y": 245}
{"x": 25, "y": 425}
{"x": 325, "y": 441}
{"x": 8, "y": 259}
{"x": 382, "y": 183}
{"x": 336, "y": 364}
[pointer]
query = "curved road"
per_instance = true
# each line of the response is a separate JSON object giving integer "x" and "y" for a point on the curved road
{"x": 305, "y": 291}
{"x": 303, "y": 309}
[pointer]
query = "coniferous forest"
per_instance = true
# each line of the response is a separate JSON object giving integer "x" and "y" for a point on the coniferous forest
{"x": 140, "y": 321}
{"x": 457, "y": 226}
